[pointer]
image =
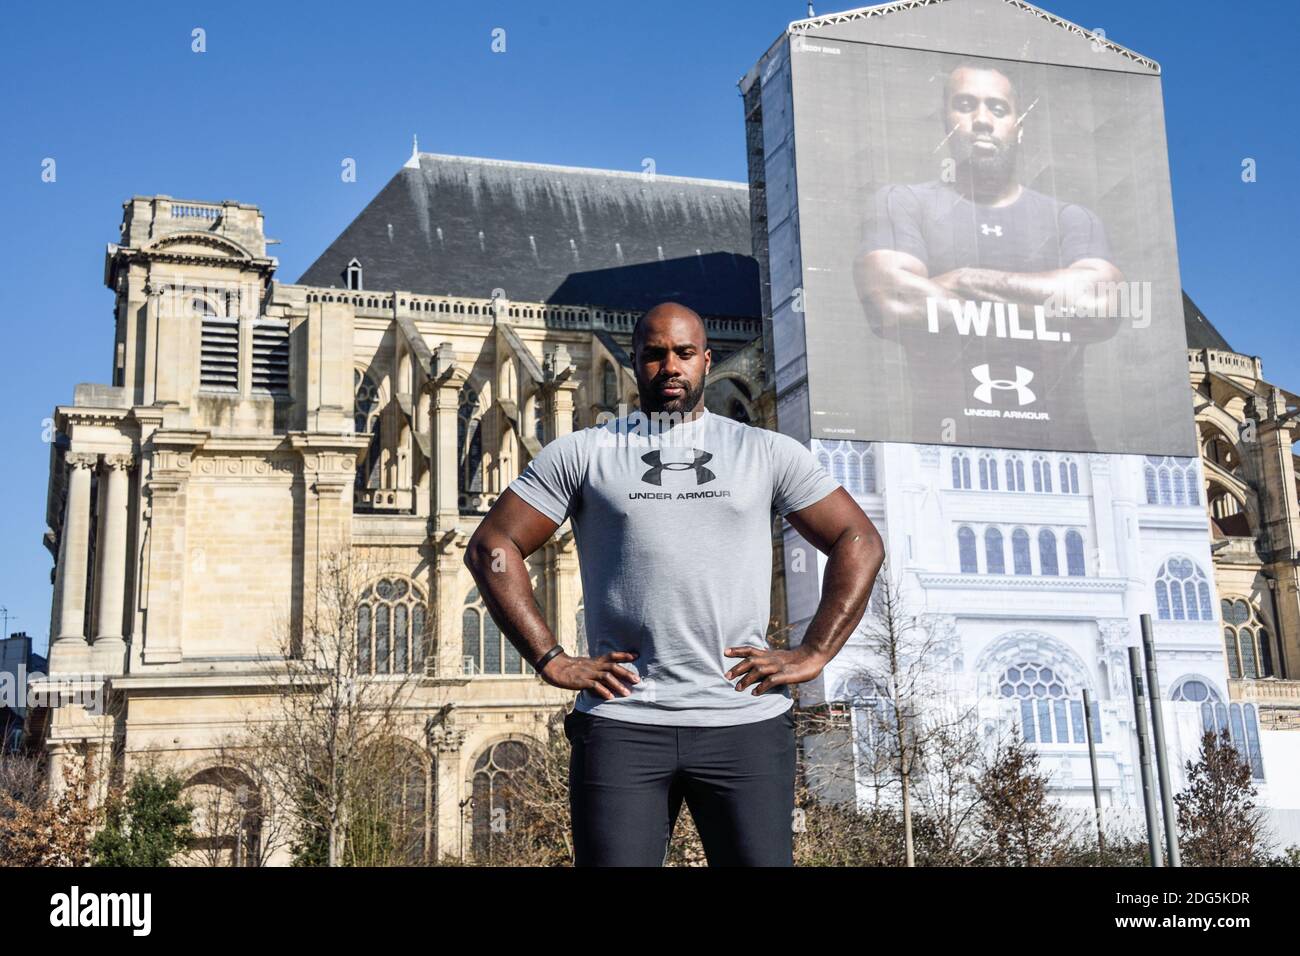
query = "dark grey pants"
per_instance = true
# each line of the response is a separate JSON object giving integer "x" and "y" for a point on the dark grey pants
{"x": 627, "y": 782}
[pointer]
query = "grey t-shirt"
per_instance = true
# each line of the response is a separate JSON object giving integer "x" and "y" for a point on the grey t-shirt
{"x": 674, "y": 535}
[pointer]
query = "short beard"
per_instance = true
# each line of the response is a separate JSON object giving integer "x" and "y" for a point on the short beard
{"x": 683, "y": 405}
{"x": 988, "y": 175}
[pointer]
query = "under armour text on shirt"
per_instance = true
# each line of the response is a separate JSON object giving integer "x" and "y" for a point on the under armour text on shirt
{"x": 673, "y": 530}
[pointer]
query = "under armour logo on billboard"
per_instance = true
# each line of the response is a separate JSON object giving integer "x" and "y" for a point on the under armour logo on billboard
{"x": 988, "y": 230}
{"x": 984, "y": 391}
{"x": 655, "y": 475}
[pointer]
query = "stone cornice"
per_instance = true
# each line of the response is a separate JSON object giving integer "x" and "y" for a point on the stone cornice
{"x": 1021, "y": 582}
{"x": 167, "y": 684}
{"x": 179, "y": 438}
{"x": 65, "y": 415}
{"x": 330, "y": 460}
{"x": 321, "y": 442}
{"x": 226, "y": 252}
{"x": 247, "y": 466}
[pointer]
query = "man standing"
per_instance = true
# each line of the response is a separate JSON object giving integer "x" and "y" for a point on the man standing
{"x": 682, "y": 699}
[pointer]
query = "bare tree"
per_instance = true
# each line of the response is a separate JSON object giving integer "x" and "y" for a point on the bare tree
{"x": 907, "y": 709}
{"x": 327, "y": 745}
{"x": 1020, "y": 823}
{"x": 947, "y": 792}
{"x": 1219, "y": 822}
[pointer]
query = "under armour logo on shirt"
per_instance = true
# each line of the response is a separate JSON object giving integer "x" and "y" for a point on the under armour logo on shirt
{"x": 988, "y": 230}
{"x": 984, "y": 391}
{"x": 657, "y": 468}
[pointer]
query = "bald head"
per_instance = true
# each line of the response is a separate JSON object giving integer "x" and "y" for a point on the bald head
{"x": 663, "y": 312}
{"x": 670, "y": 351}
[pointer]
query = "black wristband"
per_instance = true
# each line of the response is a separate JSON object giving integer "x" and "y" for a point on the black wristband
{"x": 545, "y": 658}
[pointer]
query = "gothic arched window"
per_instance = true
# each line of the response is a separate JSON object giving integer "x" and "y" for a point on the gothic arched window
{"x": 1069, "y": 474}
{"x": 840, "y": 471}
{"x": 867, "y": 467}
{"x": 1042, "y": 474}
{"x": 851, "y": 464}
{"x": 484, "y": 649}
{"x": 966, "y": 551}
{"x": 494, "y": 792}
{"x": 1020, "y": 552}
{"x": 608, "y": 385}
{"x": 1182, "y": 592}
{"x": 993, "y": 558}
{"x": 1074, "y": 564}
{"x": 469, "y": 442}
{"x": 1171, "y": 482}
{"x": 988, "y": 473}
{"x": 1246, "y": 641}
{"x": 1015, "y": 473}
{"x": 961, "y": 470}
{"x": 391, "y": 636}
{"x": 1047, "y": 552}
{"x": 1048, "y": 711}
{"x": 366, "y": 422}
{"x": 1243, "y": 730}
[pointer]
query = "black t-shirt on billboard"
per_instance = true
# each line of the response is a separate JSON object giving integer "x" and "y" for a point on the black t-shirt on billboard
{"x": 1034, "y": 385}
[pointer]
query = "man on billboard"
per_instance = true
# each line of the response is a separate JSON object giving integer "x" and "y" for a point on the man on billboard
{"x": 1000, "y": 283}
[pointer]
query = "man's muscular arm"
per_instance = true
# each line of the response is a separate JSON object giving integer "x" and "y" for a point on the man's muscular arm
{"x": 508, "y": 533}
{"x": 893, "y": 287}
{"x": 1083, "y": 284}
{"x": 837, "y": 527}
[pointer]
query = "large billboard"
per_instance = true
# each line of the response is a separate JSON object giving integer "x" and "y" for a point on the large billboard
{"x": 985, "y": 245}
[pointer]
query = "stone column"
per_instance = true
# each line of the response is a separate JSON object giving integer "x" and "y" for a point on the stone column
{"x": 328, "y": 463}
{"x": 57, "y": 754}
{"x": 558, "y": 388}
{"x": 166, "y": 561}
{"x": 1280, "y": 522}
{"x": 109, "y": 643}
{"x": 423, "y": 490}
{"x": 451, "y": 835}
{"x": 1113, "y": 509}
{"x": 447, "y": 380}
{"x": 74, "y": 543}
{"x": 447, "y": 603}
{"x": 564, "y": 590}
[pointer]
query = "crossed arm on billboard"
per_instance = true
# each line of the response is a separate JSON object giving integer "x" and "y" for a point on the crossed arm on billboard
{"x": 893, "y": 287}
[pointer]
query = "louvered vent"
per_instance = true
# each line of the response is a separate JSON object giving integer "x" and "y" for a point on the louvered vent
{"x": 219, "y": 365}
{"x": 271, "y": 356}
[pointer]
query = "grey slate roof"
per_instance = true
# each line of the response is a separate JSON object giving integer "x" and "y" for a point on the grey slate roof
{"x": 454, "y": 225}
{"x": 1201, "y": 333}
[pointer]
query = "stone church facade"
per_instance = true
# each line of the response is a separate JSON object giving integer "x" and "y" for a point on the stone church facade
{"x": 472, "y": 312}
{"x": 255, "y": 428}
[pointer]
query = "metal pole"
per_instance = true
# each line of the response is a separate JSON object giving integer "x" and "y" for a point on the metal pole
{"x": 1144, "y": 755}
{"x": 1092, "y": 760}
{"x": 1158, "y": 731}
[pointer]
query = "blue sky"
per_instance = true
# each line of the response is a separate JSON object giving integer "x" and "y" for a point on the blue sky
{"x": 285, "y": 92}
